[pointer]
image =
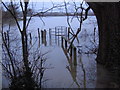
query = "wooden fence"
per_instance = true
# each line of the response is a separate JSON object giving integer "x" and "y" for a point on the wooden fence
{"x": 56, "y": 33}
{"x": 41, "y": 37}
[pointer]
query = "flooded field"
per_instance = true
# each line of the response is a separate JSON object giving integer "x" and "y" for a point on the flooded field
{"x": 60, "y": 71}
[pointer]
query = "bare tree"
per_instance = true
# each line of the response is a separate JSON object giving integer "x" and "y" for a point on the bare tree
{"x": 20, "y": 69}
{"x": 14, "y": 9}
{"x": 24, "y": 65}
{"x": 78, "y": 9}
{"x": 28, "y": 72}
{"x": 78, "y": 13}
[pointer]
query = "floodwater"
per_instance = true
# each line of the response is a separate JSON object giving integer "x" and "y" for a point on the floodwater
{"x": 60, "y": 73}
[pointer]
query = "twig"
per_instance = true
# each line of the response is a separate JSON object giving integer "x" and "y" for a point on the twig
{"x": 13, "y": 16}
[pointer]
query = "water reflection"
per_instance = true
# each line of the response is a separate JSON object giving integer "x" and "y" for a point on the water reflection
{"x": 73, "y": 71}
{"x": 62, "y": 74}
{"x": 72, "y": 61}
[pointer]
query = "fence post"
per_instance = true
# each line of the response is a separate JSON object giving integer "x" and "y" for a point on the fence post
{"x": 30, "y": 38}
{"x": 75, "y": 56}
{"x": 94, "y": 33}
{"x": 68, "y": 33}
{"x": 5, "y": 35}
{"x": 85, "y": 35}
{"x": 38, "y": 38}
{"x": 55, "y": 36}
{"x": 65, "y": 32}
{"x": 71, "y": 52}
{"x": 58, "y": 37}
{"x": 66, "y": 44}
{"x": 44, "y": 33}
{"x": 8, "y": 40}
{"x": 62, "y": 42}
{"x": 49, "y": 36}
{"x": 42, "y": 36}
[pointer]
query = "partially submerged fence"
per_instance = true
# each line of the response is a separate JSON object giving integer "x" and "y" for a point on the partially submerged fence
{"x": 50, "y": 37}
{"x": 59, "y": 36}
{"x": 56, "y": 33}
{"x": 41, "y": 37}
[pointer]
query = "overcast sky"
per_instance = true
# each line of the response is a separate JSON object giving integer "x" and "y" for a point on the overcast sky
{"x": 43, "y": 0}
{"x": 46, "y": 4}
{"x": 53, "y": 0}
{"x": 69, "y": 0}
{"x": 39, "y": 5}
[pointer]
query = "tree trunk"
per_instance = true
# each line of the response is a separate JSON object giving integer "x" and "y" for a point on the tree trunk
{"x": 108, "y": 18}
{"x": 29, "y": 82}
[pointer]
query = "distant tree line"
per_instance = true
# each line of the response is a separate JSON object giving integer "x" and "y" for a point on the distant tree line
{"x": 15, "y": 9}
{"x": 64, "y": 14}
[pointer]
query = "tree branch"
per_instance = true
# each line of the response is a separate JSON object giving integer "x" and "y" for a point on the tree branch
{"x": 12, "y": 15}
{"x": 86, "y": 13}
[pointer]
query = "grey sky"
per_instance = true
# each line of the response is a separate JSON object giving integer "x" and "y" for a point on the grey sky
{"x": 39, "y": 6}
{"x": 43, "y": 5}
